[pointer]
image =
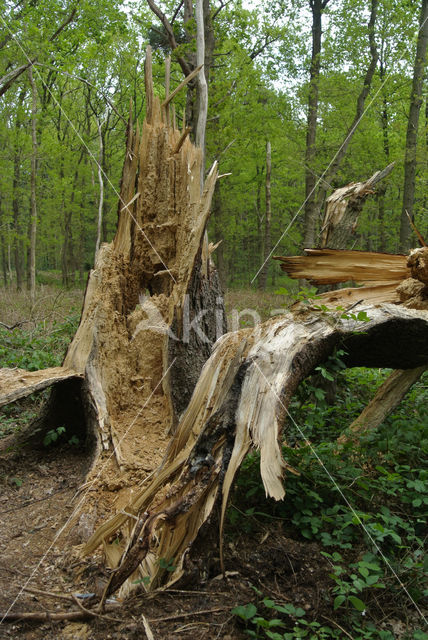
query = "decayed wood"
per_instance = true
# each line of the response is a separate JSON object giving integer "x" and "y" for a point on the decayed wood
{"x": 343, "y": 208}
{"x": 19, "y": 383}
{"x": 241, "y": 401}
{"x": 387, "y": 398}
{"x": 126, "y": 365}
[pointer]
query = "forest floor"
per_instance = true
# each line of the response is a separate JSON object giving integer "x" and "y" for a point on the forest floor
{"x": 39, "y": 484}
{"x": 37, "y": 496}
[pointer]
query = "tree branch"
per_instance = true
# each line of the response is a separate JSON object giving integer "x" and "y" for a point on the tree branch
{"x": 171, "y": 37}
{"x": 7, "y": 80}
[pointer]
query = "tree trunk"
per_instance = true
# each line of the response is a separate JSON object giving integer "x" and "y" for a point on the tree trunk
{"x": 387, "y": 398}
{"x": 317, "y": 7}
{"x": 101, "y": 183}
{"x": 343, "y": 208}
{"x": 152, "y": 311}
{"x": 268, "y": 217}
{"x": 412, "y": 130}
{"x": 33, "y": 222}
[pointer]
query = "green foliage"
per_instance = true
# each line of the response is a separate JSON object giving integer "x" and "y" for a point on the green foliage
{"x": 36, "y": 348}
{"x": 168, "y": 565}
{"x": 366, "y": 506}
{"x": 53, "y": 435}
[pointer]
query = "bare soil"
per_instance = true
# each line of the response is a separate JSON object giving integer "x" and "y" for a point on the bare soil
{"x": 39, "y": 487}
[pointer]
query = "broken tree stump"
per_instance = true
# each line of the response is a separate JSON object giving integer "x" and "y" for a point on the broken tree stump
{"x": 170, "y": 420}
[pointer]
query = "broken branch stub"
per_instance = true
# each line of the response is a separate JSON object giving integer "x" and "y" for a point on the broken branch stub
{"x": 343, "y": 208}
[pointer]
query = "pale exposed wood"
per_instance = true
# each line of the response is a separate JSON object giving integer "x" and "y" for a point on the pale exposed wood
{"x": 202, "y": 83}
{"x": 167, "y": 87}
{"x": 241, "y": 401}
{"x": 148, "y": 80}
{"x": 182, "y": 84}
{"x": 343, "y": 208}
{"x": 180, "y": 142}
{"x": 18, "y": 383}
{"x": 387, "y": 398}
{"x": 330, "y": 266}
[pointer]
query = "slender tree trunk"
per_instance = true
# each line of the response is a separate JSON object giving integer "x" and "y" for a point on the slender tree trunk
{"x": 361, "y": 100}
{"x": 412, "y": 130}
{"x": 219, "y": 233}
{"x": 33, "y": 222}
{"x": 317, "y": 7}
{"x": 268, "y": 217}
{"x": 3, "y": 247}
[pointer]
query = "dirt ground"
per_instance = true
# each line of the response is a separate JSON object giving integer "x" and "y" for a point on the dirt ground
{"x": 38, "y": 490}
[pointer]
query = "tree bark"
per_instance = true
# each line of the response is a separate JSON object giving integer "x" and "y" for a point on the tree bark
{"x": 16, "y": 199}
{"x": 33, "y": 222}
{"x": 101, "y": 183}
{"x": 343, "y": 208}
{"x": 317, "y": 6}
{"x": 412, "y": 130}
{"x": 268, "y": 218}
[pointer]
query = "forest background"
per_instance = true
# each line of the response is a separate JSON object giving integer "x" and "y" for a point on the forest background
{"x": 328, "y": 83}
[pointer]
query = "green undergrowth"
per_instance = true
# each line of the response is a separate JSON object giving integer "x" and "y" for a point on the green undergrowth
{"x": 36, "y": 344}
{"x": 365, "y": 505}
{"x": 37, "y": 347}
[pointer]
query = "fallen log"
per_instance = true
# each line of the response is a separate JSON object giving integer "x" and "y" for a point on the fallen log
{"x": 387, "y": 398}
{"x": 19, "y": 383}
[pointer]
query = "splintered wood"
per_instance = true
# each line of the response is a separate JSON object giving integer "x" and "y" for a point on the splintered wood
{"x": 385, "y": 277}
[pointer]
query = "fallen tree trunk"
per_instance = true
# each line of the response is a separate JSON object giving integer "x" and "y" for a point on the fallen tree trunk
{"x": 241, "y": 401}
{"x": 387, "y": 398}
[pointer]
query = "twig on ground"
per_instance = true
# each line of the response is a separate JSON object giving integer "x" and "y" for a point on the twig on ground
{"x": 338, "y": 626}
{"x": 190, "y": 613}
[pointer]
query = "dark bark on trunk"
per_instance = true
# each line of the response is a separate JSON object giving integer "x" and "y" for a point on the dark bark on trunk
{"x": 412, "y": 130}
{"x": 16, "y": 201}
{"x": 33, "y": 211}
{"x": 310, "y": 219}
{"x": 268, "y": 218}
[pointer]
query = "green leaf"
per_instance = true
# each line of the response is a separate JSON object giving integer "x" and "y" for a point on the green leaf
{"x": 245, "y": 612}
{"x": 357, "y": 603}
{"x": 339, "y": 600}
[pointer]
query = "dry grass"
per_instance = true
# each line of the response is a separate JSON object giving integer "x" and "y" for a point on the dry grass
{"x": 51, "y": 306}
{"x": 258, "y": 306}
